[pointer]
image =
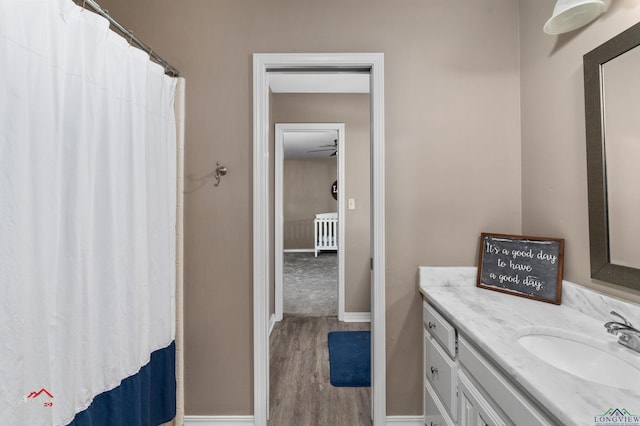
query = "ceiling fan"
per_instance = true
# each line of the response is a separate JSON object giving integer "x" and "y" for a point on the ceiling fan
{"x": 329, "y": 147}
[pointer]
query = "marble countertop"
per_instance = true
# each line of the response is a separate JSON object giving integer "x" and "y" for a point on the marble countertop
{"x": 494, "y": 321}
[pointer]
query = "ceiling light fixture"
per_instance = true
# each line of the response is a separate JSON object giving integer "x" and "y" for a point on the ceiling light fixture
{"x": 569, "y": 15}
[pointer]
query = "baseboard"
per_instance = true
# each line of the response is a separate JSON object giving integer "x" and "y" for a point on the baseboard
{"x": 405, "y": 421}
{"x": 298, "y": 250}
{"x": 248, "y": 420}
{"x": 218, "y": 420}
{"x": 272, "y": 323}
{"x": 357, "y": 317}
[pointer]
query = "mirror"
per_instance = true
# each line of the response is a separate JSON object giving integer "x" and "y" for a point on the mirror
{"x": 612, "y": 104}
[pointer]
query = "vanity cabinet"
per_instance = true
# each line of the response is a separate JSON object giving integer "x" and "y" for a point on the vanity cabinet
{"x": 461, "y": 387}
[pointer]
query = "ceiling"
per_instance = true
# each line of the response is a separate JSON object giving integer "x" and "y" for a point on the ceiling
{"x": 302, "y": 144}
{"x": 319, "y": 82}
{"x": 309, "y": 144}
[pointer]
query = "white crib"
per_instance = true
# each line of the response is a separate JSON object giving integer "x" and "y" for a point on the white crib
{"x": 325, "y": 232}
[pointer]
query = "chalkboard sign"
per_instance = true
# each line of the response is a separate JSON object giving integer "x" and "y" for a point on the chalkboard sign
{"x": 523, "y": 266}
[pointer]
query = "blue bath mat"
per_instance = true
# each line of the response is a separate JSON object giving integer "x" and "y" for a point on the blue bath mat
{"x": 350, "y": 358}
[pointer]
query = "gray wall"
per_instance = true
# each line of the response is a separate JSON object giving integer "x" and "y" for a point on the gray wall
{"x": 457, "y": 161}
{"x": 554, "y": 172}
{"x": 306, "y": 191}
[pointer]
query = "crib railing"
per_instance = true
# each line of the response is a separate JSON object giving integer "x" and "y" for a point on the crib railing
{"x": 325, "y": 232}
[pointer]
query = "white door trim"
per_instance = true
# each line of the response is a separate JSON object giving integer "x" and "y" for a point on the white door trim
{"x": 262, "y": 63}
{"x": 281, "y": 129}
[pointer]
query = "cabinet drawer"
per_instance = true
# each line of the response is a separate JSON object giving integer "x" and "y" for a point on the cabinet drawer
{"x": 434, "y": 412}
{"x": 441, "y": 374}
{"x": 439, "y": 328}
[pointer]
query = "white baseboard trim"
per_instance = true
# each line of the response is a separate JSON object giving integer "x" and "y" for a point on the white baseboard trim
{"x": 272, "y": 323}
{"x": 357, "y": 317}
{"x": 248, "y": 420}
{"x": 298, "y": 250}
{"x": 218, "y": 420}
{"x": 405, "y": 421}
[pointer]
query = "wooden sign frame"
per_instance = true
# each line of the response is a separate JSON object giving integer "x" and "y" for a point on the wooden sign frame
{"x": 521, "y": 265}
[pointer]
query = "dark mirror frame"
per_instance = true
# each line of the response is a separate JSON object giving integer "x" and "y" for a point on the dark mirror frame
{"x": 601, "y": 267}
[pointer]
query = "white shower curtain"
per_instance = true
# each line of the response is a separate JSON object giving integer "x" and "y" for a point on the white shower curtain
{"x": 87, "y": 222}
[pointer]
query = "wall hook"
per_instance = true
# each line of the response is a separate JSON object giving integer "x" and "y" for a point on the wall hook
{"x": 220, "y": 171}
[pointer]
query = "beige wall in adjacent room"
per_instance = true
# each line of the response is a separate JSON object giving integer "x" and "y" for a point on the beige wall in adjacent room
{"x": 554, "y": 164}
{"x": 453, "y": 158}
{"x": 353, "y": 110}
{"x": 306, "y": 191}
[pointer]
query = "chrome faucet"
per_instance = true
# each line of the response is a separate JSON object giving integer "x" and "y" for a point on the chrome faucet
{"x": 628, "y": 335}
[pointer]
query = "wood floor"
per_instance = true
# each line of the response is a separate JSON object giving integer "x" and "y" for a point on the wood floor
{"x": 300, "y": 392}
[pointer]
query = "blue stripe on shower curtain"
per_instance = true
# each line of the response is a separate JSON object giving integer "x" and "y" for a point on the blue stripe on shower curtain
{"x": 146, "y": 398}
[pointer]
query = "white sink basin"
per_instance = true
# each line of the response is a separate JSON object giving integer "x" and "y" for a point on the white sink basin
{"x": 582, "y": 357}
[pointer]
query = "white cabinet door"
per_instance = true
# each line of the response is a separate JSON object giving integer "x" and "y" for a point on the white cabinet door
{"x": 475, "y": 410}
{"x": 516, "y": 408}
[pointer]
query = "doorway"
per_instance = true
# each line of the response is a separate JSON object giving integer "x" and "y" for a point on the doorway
{"x": 263, "y": 64}
{"x": 282, "y": 130}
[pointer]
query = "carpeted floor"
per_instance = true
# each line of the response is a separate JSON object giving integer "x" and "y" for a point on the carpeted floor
{"x": 310, "y": 284}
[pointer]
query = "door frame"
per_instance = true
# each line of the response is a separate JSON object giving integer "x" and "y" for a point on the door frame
{"x": 297, "y": 62}
{"x": 281, "y": 129}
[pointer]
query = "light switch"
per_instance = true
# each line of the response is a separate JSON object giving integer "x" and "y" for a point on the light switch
{"x": 352, "y": 203}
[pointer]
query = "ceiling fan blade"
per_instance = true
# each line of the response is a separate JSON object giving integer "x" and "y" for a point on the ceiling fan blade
{"x": 324, "y": 149}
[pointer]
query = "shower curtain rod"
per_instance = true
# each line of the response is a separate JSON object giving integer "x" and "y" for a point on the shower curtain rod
{"x": 129, "y": 35}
